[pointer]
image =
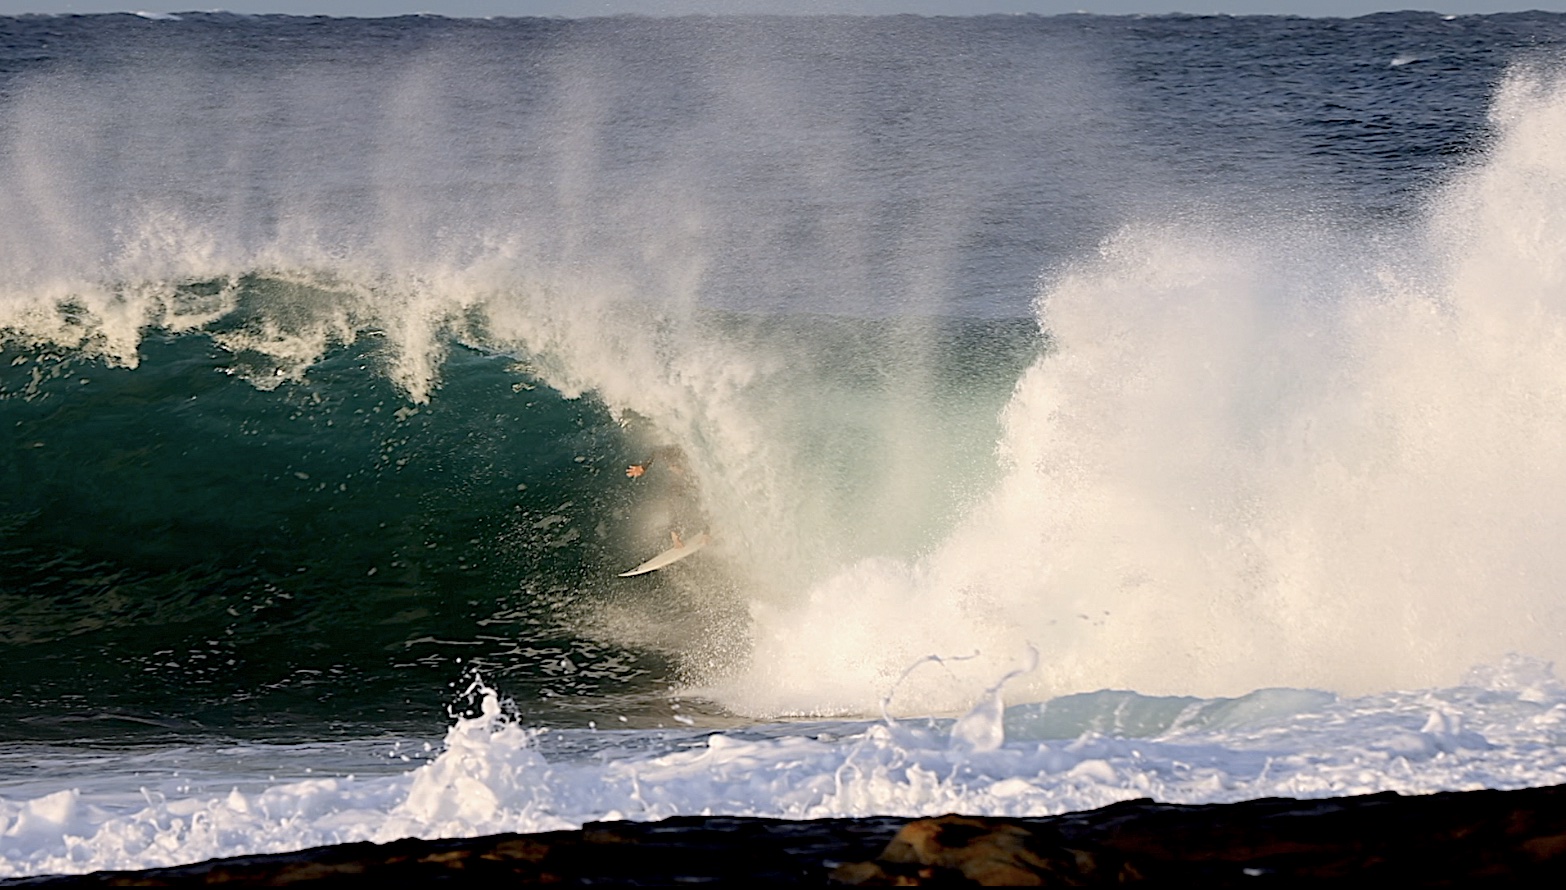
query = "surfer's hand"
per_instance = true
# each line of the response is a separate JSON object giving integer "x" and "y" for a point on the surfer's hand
{"x": 635, "y": 470}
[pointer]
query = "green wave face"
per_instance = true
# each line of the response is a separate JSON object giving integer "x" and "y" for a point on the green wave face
{"x": 185, "y": 549}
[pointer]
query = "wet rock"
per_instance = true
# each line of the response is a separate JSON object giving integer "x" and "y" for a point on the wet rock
{"x": 988, "y": 853}
{"x": 1459, "y": 839}
{"x": 1463, "y": 839}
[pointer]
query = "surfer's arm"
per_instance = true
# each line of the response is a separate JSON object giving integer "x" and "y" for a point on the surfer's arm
{"x": 675, "y": 460}
{"x": 673, "y": 457}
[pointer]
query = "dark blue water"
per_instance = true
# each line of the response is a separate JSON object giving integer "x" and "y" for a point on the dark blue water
{"x": 326, "y": 342}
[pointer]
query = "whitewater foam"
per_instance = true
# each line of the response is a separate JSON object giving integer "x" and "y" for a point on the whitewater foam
{"x": 493, "y": 775}
{"x": 1286, "y": 456}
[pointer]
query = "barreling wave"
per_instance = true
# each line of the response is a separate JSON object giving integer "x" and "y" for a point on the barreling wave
{"x": 1254, "y": 453}
{"x": 250, "y": 508}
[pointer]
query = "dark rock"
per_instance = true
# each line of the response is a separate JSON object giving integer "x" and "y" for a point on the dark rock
{"x": 962, "y": 850}
{"x": 1474, "y": 838}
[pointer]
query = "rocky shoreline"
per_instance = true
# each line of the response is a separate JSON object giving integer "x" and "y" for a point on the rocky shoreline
{"x": 1471, "y": 838}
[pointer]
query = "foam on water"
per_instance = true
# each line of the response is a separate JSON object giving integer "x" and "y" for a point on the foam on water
{"x": 1505, "y": 729}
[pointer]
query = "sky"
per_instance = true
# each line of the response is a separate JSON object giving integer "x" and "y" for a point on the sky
{"x": 578, "y": 8}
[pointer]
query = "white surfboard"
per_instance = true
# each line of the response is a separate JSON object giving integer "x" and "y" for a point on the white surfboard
{"x": 670, "y": 557}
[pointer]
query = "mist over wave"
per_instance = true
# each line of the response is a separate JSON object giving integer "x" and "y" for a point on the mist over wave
{"x": 577, "y": 215}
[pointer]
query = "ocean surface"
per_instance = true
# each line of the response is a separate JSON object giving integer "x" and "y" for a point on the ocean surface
{"x": 1081, "y": 408}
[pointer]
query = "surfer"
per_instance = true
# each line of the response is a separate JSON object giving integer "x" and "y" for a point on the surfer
{"x": 684, "y": 503}
{"x": 681, "y": 489}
